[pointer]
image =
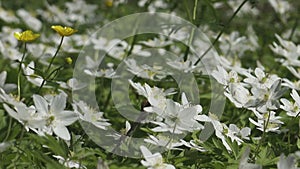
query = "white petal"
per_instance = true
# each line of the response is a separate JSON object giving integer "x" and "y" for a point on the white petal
{"x": 145, "y": 151}
{"x": 66, "y": 117}
{"x": 203, "y": 118}
{"x": 11, "y": 112}
{"x": 245, "y": 132}
{"x": 62, "y": 132}
{"x": 184, "y": 100}
{"x": 128, "y": 126}
{"x": 28, "y": 70}
{"x": 287, "y": 105}
{"x": 234, "y": 128}
{"x": 58, "y": 104}
{"x": 169, "y": 166}
{"x": 260, "y": 74}
{"x": 187, "y": 113}
{"x": 295, "y": 96}
{"x": 155, "y": 159}
{"x": 40, "y": 104}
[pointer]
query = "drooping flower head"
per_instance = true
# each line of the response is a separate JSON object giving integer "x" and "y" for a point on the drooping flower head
{"x": 64, "y": 31}
{"x": 26, "y": 36}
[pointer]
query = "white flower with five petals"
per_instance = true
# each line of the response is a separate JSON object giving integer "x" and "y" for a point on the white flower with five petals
{"x": 52, "y": 109}
{"x": 154, "y": 161}
{"x": 292, "y": 109}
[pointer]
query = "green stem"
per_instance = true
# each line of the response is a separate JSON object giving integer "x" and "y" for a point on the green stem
{"x": 222, "y": 31}
{"x": 293, "y": 29}
{"x": 296, "y": 115}
{"x": 187, "y": 10}
{"x": 186, "y": 53}
{"x": 107, "y": 101}
{"x": 134, "y": 127}
{"x": 195, "y": 10}
{"x": 131, "y": 45}
{"x": 19, "y": 72}
{"x": 50, "y": 64}
{"x": 133, "y": 40}
{"x": 266, "y": 123}
{"x": 9, "y": 129}
{"x": 22, "y": 133}
{"x": 170, "y": 141}
{"x": 58, "y": 48}
{"x": 47, "y": 77}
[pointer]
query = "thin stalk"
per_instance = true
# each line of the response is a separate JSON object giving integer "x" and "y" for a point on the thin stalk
{"x": 187, "y": 10}
{"x": 195, "y": 10}
{"x": 9, "y": 129}
{"x": 266, "y": 123}
{"x": 58, "y": 48}
{"x": 293, "y": 29}
{"x": 222, "y": 31}
{"x": 47, "y": 77}
{"x": 19, "y": 72}
{"x": 50, "y": 64}
{"x": 133, "y": 40}
{"x": 171, "y": 139}
{"x": 134, "y": 127}
{"x": 107, "y": 101}
{"x": 186, "y": 53}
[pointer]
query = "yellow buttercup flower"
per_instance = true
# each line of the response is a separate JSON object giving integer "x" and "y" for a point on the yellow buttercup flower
{"x": 109, "y": 3}
{"x": 63, "y": 31}
{"x": 26, "y": 36}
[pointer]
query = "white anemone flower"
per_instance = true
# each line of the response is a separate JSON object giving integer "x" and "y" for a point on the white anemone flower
{"x": 233, "y": 64}
{"x": 26, "y": 116}
{"x": 30, "y": 75}
{"x": 52, "y": 109}
{"x": 155, "y": 96}
{"x": 179, "y": 118}
{"x": 154, "y": 161}
{"x": 193, "y": 145}
{"x": 163, "y": 141}
{"x": 162, "y": 41}
{"x": 68, "y": 162}
{"x": 239, "y": 95}
{"x": 72, "y": 84}
{"x": 145, "y": 71}
{"x": 261, "y": 79}
{"x": 7, "y": 87}
{"x": 219, "y": 130}
{"x": 291, "y": 84}
{"x": 223, "y": 77}
{"x": 266, "y": 121}
{"x": 292, "y": 109}
{"x": 288, "y": 49}
{"x": 236, "y": 134}
{"x": 90, "y": 115}
{"x": 268, "y": 98}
